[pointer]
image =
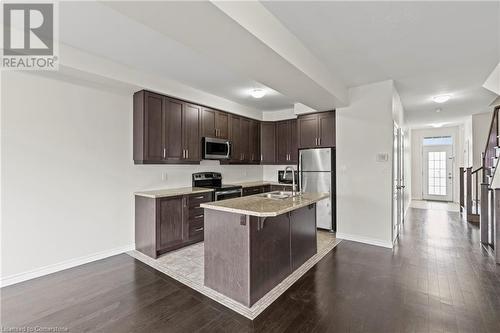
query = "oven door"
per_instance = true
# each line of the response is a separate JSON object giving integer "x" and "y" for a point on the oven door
{"x": 216, "y": 149}
{"x": 228, "y": 194}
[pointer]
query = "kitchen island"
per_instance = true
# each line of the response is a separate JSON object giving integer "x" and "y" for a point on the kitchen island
{"x": 253, "y": 243}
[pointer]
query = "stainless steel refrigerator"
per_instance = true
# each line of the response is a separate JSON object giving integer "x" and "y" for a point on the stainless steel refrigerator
{"x": 317, "y": 174}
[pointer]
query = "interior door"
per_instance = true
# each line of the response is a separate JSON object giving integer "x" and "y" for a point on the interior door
{"x": 398, "y": 187}
{"x": 438, "y": 172}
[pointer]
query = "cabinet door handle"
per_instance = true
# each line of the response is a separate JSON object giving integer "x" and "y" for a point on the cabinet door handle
{"x": 200, "y": 197}
{"x": 198, "y": 229}
{"x": 261, "y": 157}
{"x": 184, "y": 153}
{"x": 198, "y": 216}
{"x": 164, "y": 152}
{"x": 187, "y": 153}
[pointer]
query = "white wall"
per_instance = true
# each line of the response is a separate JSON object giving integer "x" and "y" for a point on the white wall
{"x": 417, "y": 135}
{"x": 278, "y": 115}
{"x": 364, "y": 197}
{"x": 467, "y": 142}
{"x": 68, "y": 177}
{"x": 480, "y": 128}
{"x": 407, "y": 168}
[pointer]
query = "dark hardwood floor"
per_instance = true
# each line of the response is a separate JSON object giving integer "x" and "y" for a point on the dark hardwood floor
{"x": 437, "y": 279}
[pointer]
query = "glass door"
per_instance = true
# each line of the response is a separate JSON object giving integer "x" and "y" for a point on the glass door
{"x": 438, "y": 171}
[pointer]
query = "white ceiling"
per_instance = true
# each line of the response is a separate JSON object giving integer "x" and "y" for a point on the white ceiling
{"x": 117, "y": 37}
{"x": 428, "y": 48}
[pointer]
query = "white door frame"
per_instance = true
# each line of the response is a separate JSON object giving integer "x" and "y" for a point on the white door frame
{"x": 397, "y": 183}
{"x": 449, "y": 160}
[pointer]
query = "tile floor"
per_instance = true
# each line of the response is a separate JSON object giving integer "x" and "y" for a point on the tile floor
{"x": 186, "y": 266}
{"x": 435, "y": 205}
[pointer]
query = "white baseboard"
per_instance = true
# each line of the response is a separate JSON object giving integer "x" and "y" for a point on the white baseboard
{"x": 365, "y": 240}
{"x": 49, "y": 269}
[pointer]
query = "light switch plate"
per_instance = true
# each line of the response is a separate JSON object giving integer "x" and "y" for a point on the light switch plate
{"x": 382, "y": 157}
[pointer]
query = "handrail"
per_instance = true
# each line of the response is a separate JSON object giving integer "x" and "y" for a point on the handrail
{"x": 478, "y": 169}
{"x": 495, "y": 115}
{"x": 492, "y": 142}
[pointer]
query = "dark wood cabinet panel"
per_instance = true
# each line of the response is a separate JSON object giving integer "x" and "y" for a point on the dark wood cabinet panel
{"x": 154, "y": 127}
{"x": 286, "y": 142}
{"x": 172, "y": 230}
{"x": 254, "y": 150}
{"x": 268, "y": 142}
{"x": 316, "y": 130}
{"x": 302, "y": 235}
{"x": 245, "y": 140}
{"x": 254, "y": 190}
{"x": 293, "y": 158}
{"x": 222, "y": 124}
{"x": 326, "y": 129}
{"x": 308, "y": 131}
{"x": 191, "y": 132}
{"x": 268, "y": 235}
{"x": 282, "y": 141}
{"x": 235, "y": 137}
{"x": 208, "y": 123}
{"x": 173, "y": 133}
{"x": 214, "y": 124}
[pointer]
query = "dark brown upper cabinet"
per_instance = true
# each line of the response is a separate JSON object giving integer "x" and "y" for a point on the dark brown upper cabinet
{"x": 214, "y": 124}
{"x": 316, "y": 130}
{"x": 268, "y": 142}
{"x": 166, "y": 130}
{"x": 235, "y": 137}
{"x": 254, "y": 144}
{"x": 286, "y": 142}
{"x": 245, "y": 140}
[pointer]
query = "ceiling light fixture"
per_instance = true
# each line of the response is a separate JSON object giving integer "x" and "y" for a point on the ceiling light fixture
{"x": 258, "y": 93}
{"x": 438, "y": 110}
{"x": 441, "y": 98}
{"x": 436, "y": 125}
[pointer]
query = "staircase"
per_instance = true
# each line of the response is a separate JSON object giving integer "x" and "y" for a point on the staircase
{"x": 480, "y": 190}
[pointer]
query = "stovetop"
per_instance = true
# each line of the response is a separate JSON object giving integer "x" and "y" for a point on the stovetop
{"x": 212, "y": 180}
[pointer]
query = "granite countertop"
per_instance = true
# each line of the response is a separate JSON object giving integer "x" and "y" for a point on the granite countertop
{"x": 172, "y": 192}
{"x": 256, "y": 205}
{"x": 257, "y": 183}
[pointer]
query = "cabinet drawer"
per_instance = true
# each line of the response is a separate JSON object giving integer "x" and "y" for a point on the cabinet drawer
{"x": 196, "y": 229}
{"x": 196, "y": 199}
{"x": 196, "y": 213}
{"x": 253, "y": 190}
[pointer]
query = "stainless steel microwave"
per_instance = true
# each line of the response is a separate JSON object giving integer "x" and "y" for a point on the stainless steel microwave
{"x": 216, "y": 149}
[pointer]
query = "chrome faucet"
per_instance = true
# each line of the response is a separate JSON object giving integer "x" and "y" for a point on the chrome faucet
{"x": 294, "y": 191}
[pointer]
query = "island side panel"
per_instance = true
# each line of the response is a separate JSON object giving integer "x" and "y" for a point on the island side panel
{"x": 145, "y": 225}
{"x": 270, "y": 253}
{"x": 303, "y": 238}
{"x": 227, "y": 254}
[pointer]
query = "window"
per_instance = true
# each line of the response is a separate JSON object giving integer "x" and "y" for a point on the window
{"x": 437, "y": 172}
{"x": 438, "y": 141}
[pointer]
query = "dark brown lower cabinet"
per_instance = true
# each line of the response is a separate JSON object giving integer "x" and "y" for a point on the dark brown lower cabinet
{"x": 269, "y": 253}
{"x": 166, "y": 224}
{"x": 281, "y": 188}
{"x": 259, "y": 253}
{"x": 256, "y": 190}
{"x": 302, "y": 235}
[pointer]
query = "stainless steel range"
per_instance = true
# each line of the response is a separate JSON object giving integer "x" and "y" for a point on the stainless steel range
{"x": 214, "y": 180}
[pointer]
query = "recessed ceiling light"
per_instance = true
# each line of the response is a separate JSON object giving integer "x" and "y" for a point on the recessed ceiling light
{"x": 436, "y": 125}
{"x": 438, "y": 110}
{"x": 258, "y": 93}
{"x": 441, "y": 98}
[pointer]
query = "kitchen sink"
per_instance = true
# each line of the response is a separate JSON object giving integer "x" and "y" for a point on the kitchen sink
{"x": 279, "y": 195}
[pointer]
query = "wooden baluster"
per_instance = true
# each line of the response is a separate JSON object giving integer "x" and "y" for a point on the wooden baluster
{"x": 468, "y": 205}
{"x": 462, "y": 194}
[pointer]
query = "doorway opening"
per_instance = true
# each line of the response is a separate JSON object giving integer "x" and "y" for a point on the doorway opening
{"x": 437, "y": 168}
